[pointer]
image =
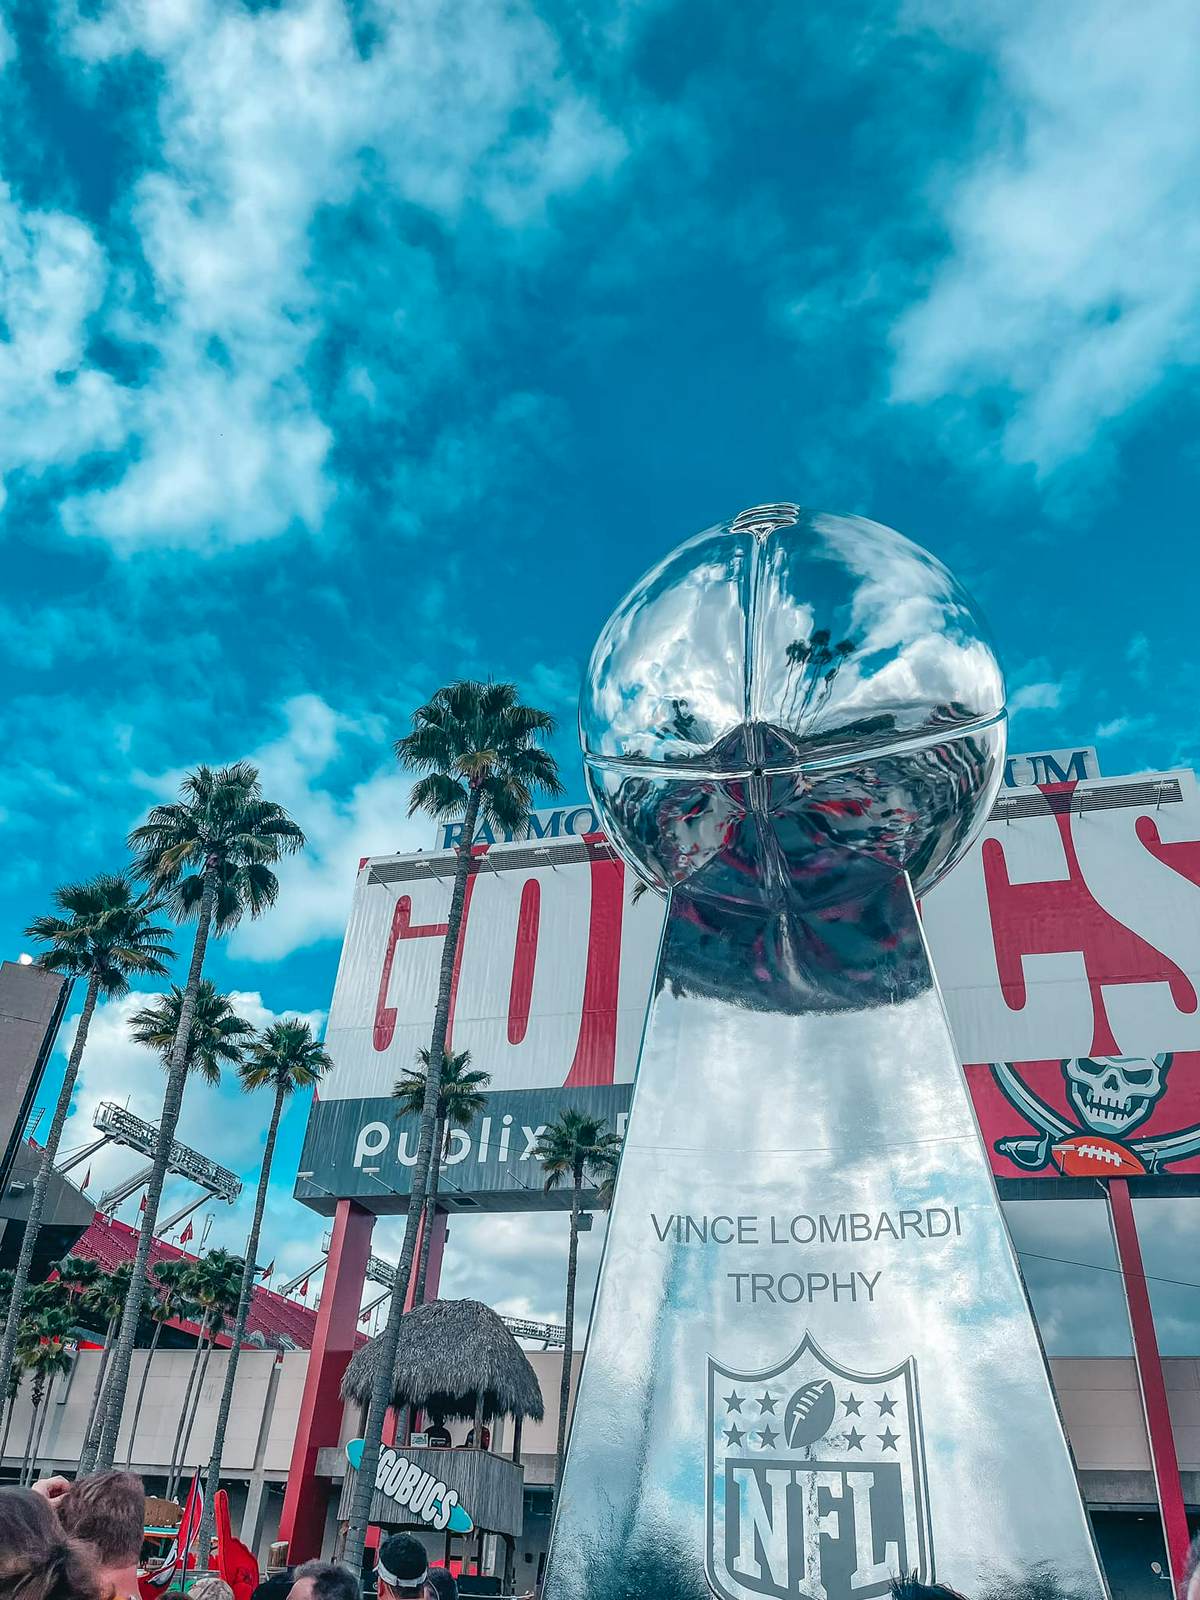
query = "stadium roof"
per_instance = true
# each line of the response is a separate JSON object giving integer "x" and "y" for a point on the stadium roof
{"x": 282, "y": 1323}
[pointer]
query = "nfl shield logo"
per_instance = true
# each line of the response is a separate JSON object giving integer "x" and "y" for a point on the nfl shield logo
{"x": 816, "y": 1480}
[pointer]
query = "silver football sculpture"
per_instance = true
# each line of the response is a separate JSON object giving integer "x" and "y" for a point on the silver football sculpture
{"x": 793, "y": 695}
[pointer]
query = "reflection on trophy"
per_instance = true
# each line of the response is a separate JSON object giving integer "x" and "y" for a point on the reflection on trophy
{"x": 811, "y": 1365}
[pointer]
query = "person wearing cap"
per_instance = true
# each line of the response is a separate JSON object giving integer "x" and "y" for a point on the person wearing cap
{"x": 441, "y": 1584}
{"x": 402, "y": 1569}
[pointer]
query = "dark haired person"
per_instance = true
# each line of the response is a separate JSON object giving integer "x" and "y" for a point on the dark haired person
{"x": 913, "y": 1589}
{"x": 277, "y": 1586}
{"x": 323, "y": 1580}
{"x": 440, "y": 1584}
{"x": 108, "y": 1511}
{"x": 38, "y": 1561}
{"x": 402, "y": 1568}
{"x": 1191, "y": 1572}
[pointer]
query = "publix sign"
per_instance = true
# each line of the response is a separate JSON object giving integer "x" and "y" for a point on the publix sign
{"x": 562, "y": 822}
{"x": 417, "y": 1493}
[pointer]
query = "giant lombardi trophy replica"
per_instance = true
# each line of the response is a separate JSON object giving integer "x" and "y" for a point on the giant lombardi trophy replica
{"x": 811, "y": 1365}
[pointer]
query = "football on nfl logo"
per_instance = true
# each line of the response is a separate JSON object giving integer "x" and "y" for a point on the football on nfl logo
{"x": 816, "y": 1480}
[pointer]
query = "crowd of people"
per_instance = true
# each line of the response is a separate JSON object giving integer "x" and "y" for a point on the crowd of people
{"x": 83, "y": 1541}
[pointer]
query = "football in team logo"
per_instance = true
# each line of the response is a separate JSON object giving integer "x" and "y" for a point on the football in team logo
{"x": 1098, "y": 1132}
{"x": 810, "y": 1413}
{"x": 816, "y": 1484}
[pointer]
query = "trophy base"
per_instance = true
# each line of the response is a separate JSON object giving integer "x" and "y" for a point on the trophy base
{"x": 812, "y": 1366}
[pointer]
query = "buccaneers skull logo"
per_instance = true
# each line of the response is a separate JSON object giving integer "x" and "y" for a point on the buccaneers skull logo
{"x": 1109, "y": 1097}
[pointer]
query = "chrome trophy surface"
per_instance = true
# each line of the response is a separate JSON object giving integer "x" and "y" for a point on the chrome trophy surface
{"x": 811, "y": 1364}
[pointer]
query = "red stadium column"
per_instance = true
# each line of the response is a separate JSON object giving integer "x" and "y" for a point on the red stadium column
{"x": 433, "y": 1267}
{"x": 1150, "y": 1380}
{"x": 306, "y": 1497}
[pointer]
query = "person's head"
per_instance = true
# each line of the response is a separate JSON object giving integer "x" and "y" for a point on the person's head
{"x": 1191, "y": 1571}
{"x": 913, "y": 1589}
{"x": 402, "y": 1567}
{"x": 38, "y": 1561}
{"x": 108, "y": 1511}
{"x": 324, "y": 1580}
{"x": 441, "y": 1585}
{"x": 276, "y": 1587}
{"x": 210, "y": 1588}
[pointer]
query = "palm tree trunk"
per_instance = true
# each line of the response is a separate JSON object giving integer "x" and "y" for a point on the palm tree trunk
{"x": 440, "y": 1141}
{"x": 245, "y": 1296}
{"x": 91, "y": 1434}
{"x": 187, "y": 1438}
{"x": 36, "y": 1399}
{"x": 37, "y": 1444}
{"x": 172, "y": 1100}
{"x": 8, "y": 1420}
{"x": 38, "y": 1203}
{"x": 172, "y": 1474}
{"x": 564, "y": 1391}
{"x": 360, "y": 1510}
{"x": 137, "y": 1410}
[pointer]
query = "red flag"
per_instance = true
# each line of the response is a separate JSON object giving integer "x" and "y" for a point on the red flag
{"x": 236, "y": 1564}
{"x": 266, "y": 1272}
{"x": 142, "y": 1205}
{"x": 87, "y": 1178}
{"x": 365, "y": 1314}
{"x": 187, "y": 1235}
{"x": 153, "y": 1584}
{"x": 303, "y": 1289}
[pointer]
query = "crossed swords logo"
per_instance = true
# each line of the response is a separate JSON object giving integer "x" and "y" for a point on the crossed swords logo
{"x": 1034, "y": 1153}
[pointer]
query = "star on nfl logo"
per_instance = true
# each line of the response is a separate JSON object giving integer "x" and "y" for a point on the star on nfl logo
{"x": 816, "y": 1480}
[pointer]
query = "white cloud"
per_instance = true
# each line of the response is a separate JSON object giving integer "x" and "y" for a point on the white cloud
{"x": 342, "y": 822}
{"x": 1036, "y": 697}
{"x": 553, "y": 685}
{"x": 1069, "y": 286}
{"x": 1137, "y": 653}
{"x": 270, "y": 120}
{"x": 516, "y": 1263}
{"x": 54, "y": 407}
{"x": 218, "y": 1122}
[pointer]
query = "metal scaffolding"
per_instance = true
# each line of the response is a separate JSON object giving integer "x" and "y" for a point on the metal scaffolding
{"x": 118, "y": 1126}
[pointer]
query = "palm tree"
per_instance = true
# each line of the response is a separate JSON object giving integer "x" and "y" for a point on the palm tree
{"x": 218, "y": 1035}
{"x": 44, "y": 1355}
{"x": 284, "y": 1059}
{"x": 105, "y": 932}
{"x": 212, "y": 852}
{"x": 12, "y": 1387}
{"x": 77, "y": 1274}
{"x": 215, "y": 1286}
{"x": 570, "y": 1149}
{"x": 172, "y": 1303}
{"x": 188, "y": 1283}
{"x": 474, "y": 746}
{"x": 104, "y": 1301}
{"x": 460, "y": 1100}
{"x": 16, "y": 1371}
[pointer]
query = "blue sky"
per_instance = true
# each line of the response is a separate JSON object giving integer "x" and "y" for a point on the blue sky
{"x": 345, "y": 348}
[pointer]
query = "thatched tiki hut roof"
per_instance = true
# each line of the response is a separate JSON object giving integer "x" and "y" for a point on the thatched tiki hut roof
{"x": 455, "y": 1359}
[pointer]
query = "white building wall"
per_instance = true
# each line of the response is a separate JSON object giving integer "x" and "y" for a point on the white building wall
{"x": 1099, "y": 1400}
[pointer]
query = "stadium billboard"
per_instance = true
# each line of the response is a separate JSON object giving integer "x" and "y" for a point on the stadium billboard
{"x": 1067, "y": 944}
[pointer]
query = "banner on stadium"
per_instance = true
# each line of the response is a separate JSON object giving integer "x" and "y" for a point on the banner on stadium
{"x": 1067, "y": 945}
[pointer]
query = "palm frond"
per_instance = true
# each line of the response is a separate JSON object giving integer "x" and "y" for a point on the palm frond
{"x": 285, "y": 1057}
{"x": 438, "y": 794}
